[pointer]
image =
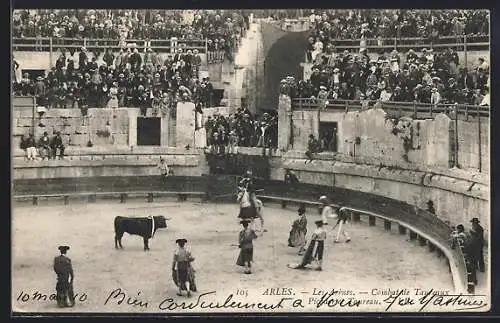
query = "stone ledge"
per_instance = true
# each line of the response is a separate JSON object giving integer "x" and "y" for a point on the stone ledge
{"x": 335, "y": 167}
{"x": 104, "y": 161}
{"x": 468, "y": 175}
{"x": 448, "y": 183}
{"x": 120, "y": 150}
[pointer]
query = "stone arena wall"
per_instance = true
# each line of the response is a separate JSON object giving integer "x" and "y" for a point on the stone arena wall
{"x": 457, "y": 195}
{"x": 368, "y": 134}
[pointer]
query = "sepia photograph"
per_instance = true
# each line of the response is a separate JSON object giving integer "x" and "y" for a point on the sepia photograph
{"x": 258, "y": 161}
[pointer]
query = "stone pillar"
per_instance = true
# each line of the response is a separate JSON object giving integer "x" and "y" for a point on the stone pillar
{"x": 284, "y": 121}
{"x": 185, "y": 124}
{"x": 164, "y": 131}
{"x": 200, "y": 138}
{"x": 132, "y": 127}
{"x": 439, "y": 147}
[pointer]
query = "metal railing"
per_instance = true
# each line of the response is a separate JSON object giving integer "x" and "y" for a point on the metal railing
{"x": 214, "y": 57}
{"x": 415, "y": 110}
{"x": 461, "y": 41}
{"x": 464, "y": 43}
{"x": 54, "y": 43}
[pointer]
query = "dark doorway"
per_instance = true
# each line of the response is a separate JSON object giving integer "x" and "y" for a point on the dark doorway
{"x": 148, "y": 131}
{"x": 217, "y": 96}
{"x": 33, "y": 74}
{"x": 328, "y": 136}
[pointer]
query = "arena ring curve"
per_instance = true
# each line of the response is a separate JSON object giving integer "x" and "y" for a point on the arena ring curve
{"x": 390, "y": 212}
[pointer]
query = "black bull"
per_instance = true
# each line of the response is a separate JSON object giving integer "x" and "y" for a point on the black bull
{"x": 138, "y": 226}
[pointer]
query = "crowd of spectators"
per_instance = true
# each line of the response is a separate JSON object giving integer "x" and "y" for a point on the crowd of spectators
{"x": 226, "y": 134}
{"x": 221, "y": 28}
{"x": 426, "y": 77}
{"x": 331, "y": 25}
{"x": 126, "y": 79}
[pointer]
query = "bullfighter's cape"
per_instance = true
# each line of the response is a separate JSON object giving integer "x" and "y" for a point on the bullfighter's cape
{"x": 308, "y": 256}
{"x": 191, "y": 276}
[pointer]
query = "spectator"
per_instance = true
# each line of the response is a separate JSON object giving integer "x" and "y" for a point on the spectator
{"x": 31, "y": 147}
{"x": 44, "y": 146}
{"x": 313, "y": 147}
{"x": 477, "y": 233}
{"x": 352, "y": 76}
{"x": 470, "y": 249}
{"x": 435, "y": 96}
{"x": 57, "y": 145}
{"x": 233, "y": 143}
{"x": 458, "y": 236}
{"x": 486, "y": 98}
{"x": 22, "y": 145}
{"x": 483, "y": 64}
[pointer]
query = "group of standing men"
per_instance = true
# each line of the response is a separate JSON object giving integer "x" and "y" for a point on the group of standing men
{"x": 472, "y": 246}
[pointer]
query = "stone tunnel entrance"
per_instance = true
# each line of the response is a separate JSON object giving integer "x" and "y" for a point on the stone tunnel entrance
{"x": 284, "y": 53}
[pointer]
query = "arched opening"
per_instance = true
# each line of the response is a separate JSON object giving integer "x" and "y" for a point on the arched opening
{"x": 283, "y": 59}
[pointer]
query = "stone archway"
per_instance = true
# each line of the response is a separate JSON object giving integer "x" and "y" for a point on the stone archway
{"x": 284, "y": 51}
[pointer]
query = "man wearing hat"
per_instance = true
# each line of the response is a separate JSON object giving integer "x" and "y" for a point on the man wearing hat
{"x": 56, "y": 145}
{"x": 83, "y": 59}
{"x": 322, "y": 97}
{"x": 245, "y": 243}
{"x": 469, "y": 247}
{"x": 182, "y": 270}
{"x": 342, "y": 220}
{"x": 65, "y": 277}
{"x": 477, "y": 233}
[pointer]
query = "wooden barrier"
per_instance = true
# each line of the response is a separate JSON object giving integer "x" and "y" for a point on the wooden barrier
{"x": 122, "y": 196}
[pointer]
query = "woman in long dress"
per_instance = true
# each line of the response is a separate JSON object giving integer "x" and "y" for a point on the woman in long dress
{"x": 315, "y": 249}
{"x": 182, "y": 270}
{"x": 298, "y": 233}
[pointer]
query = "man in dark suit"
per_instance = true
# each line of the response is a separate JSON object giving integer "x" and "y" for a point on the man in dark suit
{"x": 64, "y": 271}
{"x": 57, "y": 144}
{"x": 477, "y": 233}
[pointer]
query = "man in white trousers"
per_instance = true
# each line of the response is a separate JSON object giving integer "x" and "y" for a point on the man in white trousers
{"x": 342, "y": 220}
{"x": 327, "y": 210}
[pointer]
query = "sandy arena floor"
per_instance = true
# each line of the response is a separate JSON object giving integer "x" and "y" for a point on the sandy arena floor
{"x": 374, "y": 261}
